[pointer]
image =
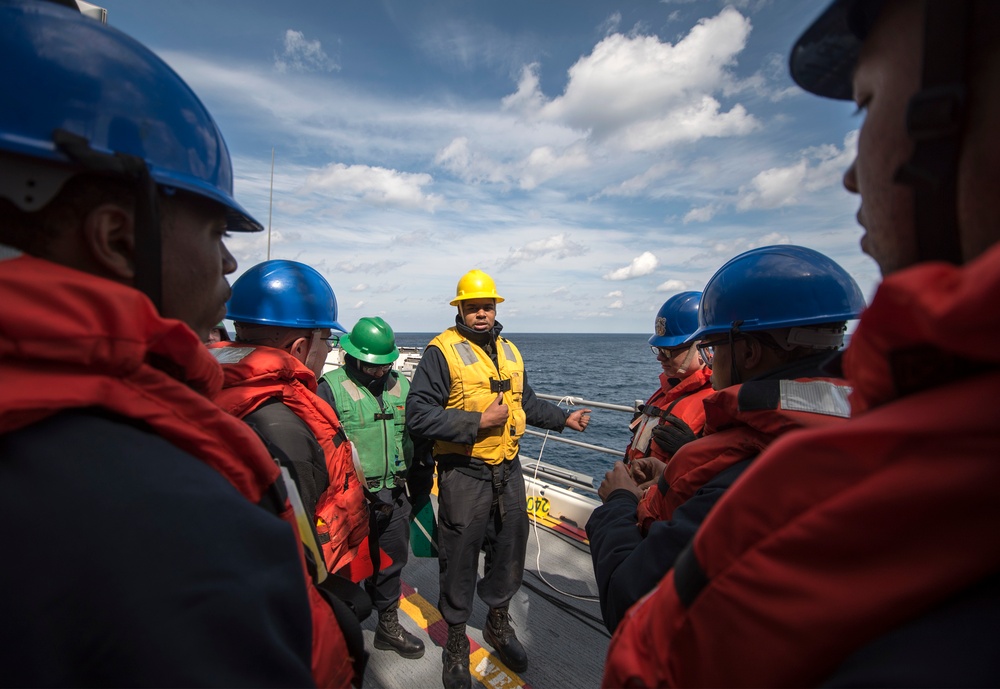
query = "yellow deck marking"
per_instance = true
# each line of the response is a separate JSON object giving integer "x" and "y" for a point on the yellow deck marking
{"x": 420, "y": 609}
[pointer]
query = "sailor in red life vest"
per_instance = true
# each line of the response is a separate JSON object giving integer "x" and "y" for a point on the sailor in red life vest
{"x": 750, "y": 331}
{"x": 676, "y": 407}
{"x": 285, "y": 313}
{"x": 148, "y": 540}
{"x": 865, "y": 554}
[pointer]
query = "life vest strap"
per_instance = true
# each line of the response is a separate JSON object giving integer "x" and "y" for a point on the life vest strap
{"x": 689, "y": 577}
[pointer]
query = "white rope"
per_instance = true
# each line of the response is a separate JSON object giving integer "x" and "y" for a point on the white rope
{"x": 534, "y": 522}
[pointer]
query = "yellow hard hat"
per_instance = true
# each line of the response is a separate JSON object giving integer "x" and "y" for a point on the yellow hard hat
{"x": 476, "y": 285}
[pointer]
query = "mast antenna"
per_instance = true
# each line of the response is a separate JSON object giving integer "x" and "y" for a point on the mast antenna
{"x": 270, "y": 205}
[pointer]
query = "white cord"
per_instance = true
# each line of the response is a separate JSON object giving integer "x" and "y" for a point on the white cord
{"x": 534, "y": 522}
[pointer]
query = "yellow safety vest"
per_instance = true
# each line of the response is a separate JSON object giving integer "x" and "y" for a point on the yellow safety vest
{"x": 475, "y": 382}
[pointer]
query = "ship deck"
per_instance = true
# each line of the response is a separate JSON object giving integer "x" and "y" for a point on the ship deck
{"x": 564, "y": 638}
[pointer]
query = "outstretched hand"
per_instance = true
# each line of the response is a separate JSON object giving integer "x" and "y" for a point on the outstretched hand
{"x": 618, "y": 478}
{"x": 578, "y": 420}
{"x": 495, "y": 414}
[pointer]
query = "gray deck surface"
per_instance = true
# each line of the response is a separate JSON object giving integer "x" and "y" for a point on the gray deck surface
{"x": 564, "y": 650}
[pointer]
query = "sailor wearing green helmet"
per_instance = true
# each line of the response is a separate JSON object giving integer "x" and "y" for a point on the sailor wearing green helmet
{"x": 370, "y": 401}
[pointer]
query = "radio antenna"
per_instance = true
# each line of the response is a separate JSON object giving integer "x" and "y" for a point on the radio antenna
{"x": 270, "y": 205}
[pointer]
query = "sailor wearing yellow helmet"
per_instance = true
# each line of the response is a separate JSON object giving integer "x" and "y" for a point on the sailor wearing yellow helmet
{"x": 470, "y": 395}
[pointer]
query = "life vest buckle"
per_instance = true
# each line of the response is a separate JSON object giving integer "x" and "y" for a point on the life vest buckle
{"x": 499, "y": 385}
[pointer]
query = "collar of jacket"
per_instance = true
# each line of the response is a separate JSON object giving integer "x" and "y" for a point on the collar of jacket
{"x": 484, "y": 339}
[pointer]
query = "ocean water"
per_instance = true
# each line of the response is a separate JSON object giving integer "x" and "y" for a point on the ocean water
{"x": 615, "y": 369}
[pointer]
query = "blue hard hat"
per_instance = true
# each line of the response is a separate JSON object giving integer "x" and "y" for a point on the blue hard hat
{"x": 69, "y": 73}
{"x": 676, "y": 320}
{"x": 286, "y": 294}
{"x": 776, "y": 287}
{"x": 823, "y": 58}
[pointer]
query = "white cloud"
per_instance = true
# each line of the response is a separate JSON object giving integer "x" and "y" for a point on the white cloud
{"x": 702, "y": 213}
{"x": 458, "y": 158}
{"x": 637, "y": 185}
{"x": 557, "y": 246}
{"x": 768, "y": 239}
{"x": 616, "y": 304}
{"x": 720, "y": 252}
{"x": 379, "y": 268}
{"x": 616, "y": 293}
{"x": 611, "y": 24}
{"x": 528, "y": 97}
{"x": 646, "y": 94}
{"x": 818, "y": 168}
{"x": 779, "y": 186}
{"x": 644, "y": 264}
{"x": 538, "y": 166}
{"x": 375, "y": 185}
{"x": 360, "y": 287}
{"x": 672, "y": 286}
{"x": 302, "y": 55}
{"x": 544, "y": 163}
{"x": 561, "y": 289}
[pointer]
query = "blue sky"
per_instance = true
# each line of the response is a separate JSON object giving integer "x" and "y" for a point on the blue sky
{"x": 594, "y": 157}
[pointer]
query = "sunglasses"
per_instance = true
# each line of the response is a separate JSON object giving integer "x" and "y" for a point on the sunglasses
{"x": 375, "y": 369}
{"x": 668, "y": 352}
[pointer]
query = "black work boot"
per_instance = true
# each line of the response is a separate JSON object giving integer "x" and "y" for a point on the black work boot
{"x": 390, "y": 636}
{"x": 500, "y": 635}
{"x": 455, "y": 674}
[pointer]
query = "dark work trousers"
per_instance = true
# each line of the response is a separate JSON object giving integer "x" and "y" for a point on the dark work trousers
{"x": 383, "y": 587}
{"x": 467, "y": 522}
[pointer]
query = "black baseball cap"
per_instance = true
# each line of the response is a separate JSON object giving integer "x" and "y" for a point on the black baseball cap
{"x": 822, "y": 60}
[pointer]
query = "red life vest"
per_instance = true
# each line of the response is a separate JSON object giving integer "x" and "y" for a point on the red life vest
{"x": 254, "y": 375}
{"x": 835, "y": 537}
{"x": 733, "y": 434}
{"x": 683, "y": 400}
{"x": 73, "y": 340}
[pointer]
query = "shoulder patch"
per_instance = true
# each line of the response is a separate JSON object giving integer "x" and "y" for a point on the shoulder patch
{"x": 231, "y": 355}
{"x": 816, "y": 396}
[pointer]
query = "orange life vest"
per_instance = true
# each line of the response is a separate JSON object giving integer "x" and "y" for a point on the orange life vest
{"x": 254, "y": 375}
{"x": 733, "y": 434}
{"x": 683, "y": 400}
{"x": 73, "y": 340}
{"x": 835, "y": 537}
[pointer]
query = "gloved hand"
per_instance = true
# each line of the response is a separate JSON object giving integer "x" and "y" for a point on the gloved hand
{"x": 672, "y": 433}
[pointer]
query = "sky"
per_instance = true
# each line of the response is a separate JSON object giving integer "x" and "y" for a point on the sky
{"x": 595, "y": 158}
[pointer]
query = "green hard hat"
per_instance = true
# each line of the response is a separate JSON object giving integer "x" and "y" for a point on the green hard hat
{"x": 371, "y": 340}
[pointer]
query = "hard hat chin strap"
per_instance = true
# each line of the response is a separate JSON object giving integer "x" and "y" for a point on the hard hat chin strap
{"x": 734, "y": 373}
{"x": 147, "y": 234}
{"x": 935, "y": 120}
{"x": 692, "y": 351}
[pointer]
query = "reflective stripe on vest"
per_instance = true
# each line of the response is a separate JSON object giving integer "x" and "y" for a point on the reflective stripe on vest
{"x": 475, "y": 383}
{"x": 378, "y": 434}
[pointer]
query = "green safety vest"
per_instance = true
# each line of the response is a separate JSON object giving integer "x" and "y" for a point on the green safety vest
{"x": 376, "y": 425}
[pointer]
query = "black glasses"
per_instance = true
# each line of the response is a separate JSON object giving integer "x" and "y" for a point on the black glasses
{"x": 707, "y": 348}
{"x": 376, "y": 369}
{"x": 331, "y": 342}
{"x": 667, "y": 352}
